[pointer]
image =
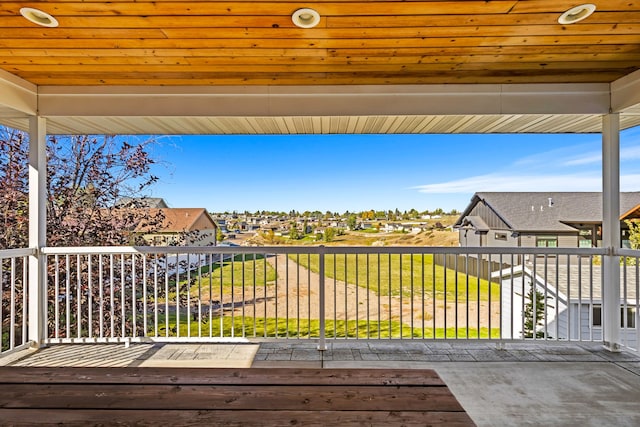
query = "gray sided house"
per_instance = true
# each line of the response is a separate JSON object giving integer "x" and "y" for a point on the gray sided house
{"x": 572, "y": 288}
{"x": 540, "y": 219}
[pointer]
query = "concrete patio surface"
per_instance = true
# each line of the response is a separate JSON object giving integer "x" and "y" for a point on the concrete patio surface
{"x": 524, "y": 384}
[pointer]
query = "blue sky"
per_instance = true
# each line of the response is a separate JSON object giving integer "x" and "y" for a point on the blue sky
{"x": 381, "y": 172}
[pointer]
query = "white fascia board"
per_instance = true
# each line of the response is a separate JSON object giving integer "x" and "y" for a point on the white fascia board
{"x": 18, "y": 95}
{"x": 625, "y": 94}
{"x": 556, "y": 98}
{"x": 265, "y": 101}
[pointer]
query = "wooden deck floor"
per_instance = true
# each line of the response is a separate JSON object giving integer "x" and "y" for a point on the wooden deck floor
{"x": 236, "y": 397}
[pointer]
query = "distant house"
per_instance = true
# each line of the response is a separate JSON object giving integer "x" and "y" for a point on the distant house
{"x": 573, "y": 310}
{"x": 181, "y": 226}
{"x": 142, "y": 202}
{"x": 540, "y": 219}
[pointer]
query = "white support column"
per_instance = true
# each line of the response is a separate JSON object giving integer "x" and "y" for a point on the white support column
{"x": 611, "y": 230}
{"x": 37, "y": 228}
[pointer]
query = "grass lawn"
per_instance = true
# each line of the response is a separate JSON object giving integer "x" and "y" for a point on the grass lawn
{"x": 235, "y": 276}
{"x": 258, "y": 327}
{"x": 391, "y": 274}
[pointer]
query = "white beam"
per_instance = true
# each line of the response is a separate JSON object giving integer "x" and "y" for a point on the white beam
{"x": 625, "y": 94}
{"x": 18, "y": 96}
{"x": 269, "y": 101}
{"x": 611, "y": 230}
{"x": 37, "y": 228}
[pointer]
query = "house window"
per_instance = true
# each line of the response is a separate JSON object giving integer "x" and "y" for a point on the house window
{"x": 501, "y": 236}
{"x": 630, "y": 321}
{"x": 547, "y": 241}
{"x": 596, "y": 315}
{"x": 585, "y": 238}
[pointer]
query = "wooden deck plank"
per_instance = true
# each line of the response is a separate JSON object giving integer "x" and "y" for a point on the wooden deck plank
{"x": 226, "y": 396}
{"x": 255, "y": 376}
{"x": 317, "y": 398}
{"x": 25, "y": 417}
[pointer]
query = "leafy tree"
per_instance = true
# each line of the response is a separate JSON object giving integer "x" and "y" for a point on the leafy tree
{"x": 352, "y": 222}
{"x": 634, "y": 233}
{"x": 329, "y": 234}
{"x": 294, "y": 233}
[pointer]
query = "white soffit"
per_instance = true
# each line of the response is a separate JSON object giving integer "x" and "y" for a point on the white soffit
{"x": 330, "y": 124}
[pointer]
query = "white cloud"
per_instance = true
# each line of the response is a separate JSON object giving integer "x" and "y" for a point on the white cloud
{"x": 506, "y": 182}
{"x": 513, "y": 182}
{"x": 595, "y": 157}
{"x": 574, "y": 168}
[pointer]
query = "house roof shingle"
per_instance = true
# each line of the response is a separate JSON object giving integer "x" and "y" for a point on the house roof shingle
{"x": 176, "y": 220}
{"x": 548, "y": 211}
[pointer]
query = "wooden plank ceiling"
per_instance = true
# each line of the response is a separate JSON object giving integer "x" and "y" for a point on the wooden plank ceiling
{"x": 253, "y": 42}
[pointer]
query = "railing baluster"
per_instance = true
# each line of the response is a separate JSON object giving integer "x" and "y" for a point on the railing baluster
{"x": 367, "y": 298}
{"x": 466, "y": 268}
{"x": 144, "y": 296}
{"x": 275, "y": 261}
{"x": 199, "y": 302}
{"x": 335, "y": 296}
{"x": 100, "y": 295}
{"x": 591, "y": 298}
{"x": 346, "y": 303}
{"x": 568, "y": 304}
{"x": 188, "y": 287}
{"x": 265, "y": 333}
{"x": 579, "y": 335}
{"x": 25, "y": 300}
{"x": 178, "y": 296}
{"x": 134, "y": 299}
{"x": 12, "y": 309}
{"x": 286, "y": 301}
{"x": 155, "y": 294}
{"x": 211, "y": 295}
{"x": 89, "y": 295}
{"x": 122, "y": 298}
{"x": 357, "y": 301}
{"x": 411, "y": 293}
{"x": 321, "y": 295}
{"x": 433, "y": 295}
{"x": 78, "y": 297}
{"x": 221, "y": 302}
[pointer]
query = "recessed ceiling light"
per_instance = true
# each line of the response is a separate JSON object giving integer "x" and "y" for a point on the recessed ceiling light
{"x": 39, "y": 17}
{"x": 305, "y": 18}
{"x": 577, "y": 14}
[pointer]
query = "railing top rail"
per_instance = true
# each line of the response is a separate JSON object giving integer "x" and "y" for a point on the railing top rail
{"x": 628, "y": 252}
{"x": 172, "y": 250}
{"x": 13, "y": 253}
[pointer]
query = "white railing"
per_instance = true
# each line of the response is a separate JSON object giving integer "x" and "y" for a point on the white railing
{"x": 630, "y": 304}
{"x": 231, "y": 293}
{"x": 13, "y": 298}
